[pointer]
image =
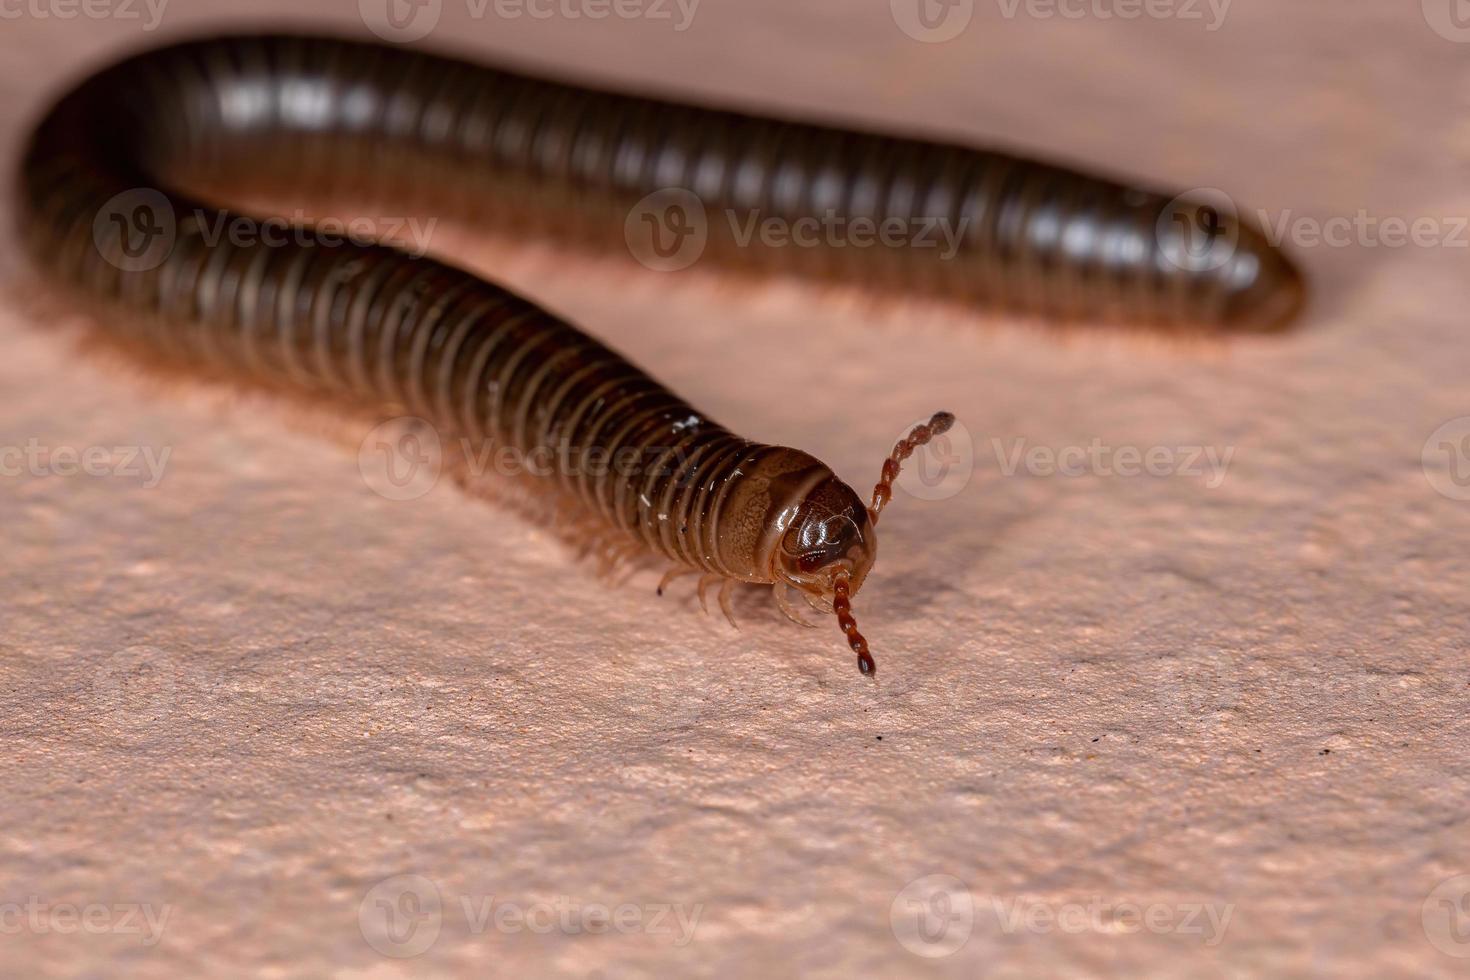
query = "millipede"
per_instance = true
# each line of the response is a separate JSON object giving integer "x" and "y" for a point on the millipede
{"x": 113, "y": 207}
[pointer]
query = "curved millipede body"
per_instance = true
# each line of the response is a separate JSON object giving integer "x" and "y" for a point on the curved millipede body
{"x": 376, "y": 327}
{"x": 112, "y": 197}
{"x": 322, "y": 116}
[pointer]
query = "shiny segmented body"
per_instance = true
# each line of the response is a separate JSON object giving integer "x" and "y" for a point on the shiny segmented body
{"x": 323, "y": 116}
{"x": 140, "y": 146}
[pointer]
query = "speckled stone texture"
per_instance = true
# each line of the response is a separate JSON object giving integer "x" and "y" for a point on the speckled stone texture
{"x": 1146, "y": 725}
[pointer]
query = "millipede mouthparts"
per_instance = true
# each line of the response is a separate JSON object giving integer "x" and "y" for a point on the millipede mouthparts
{"x": 368, "y": 324}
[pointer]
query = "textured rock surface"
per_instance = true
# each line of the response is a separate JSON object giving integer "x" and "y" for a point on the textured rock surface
{"x": 246, "y": 696}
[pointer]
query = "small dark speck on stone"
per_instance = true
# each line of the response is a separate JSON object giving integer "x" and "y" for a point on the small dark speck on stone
{"x": 1096, "y": 738}
{"x": 1325, "y": 752}
{"x": 880, "y": 738}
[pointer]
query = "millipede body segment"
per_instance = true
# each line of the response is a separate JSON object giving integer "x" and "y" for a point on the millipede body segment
{"x": 112, "y": 204}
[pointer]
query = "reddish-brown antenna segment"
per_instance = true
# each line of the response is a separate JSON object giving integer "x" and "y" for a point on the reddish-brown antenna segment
{"x": 882, "y": 493}
{"x": 918, "y": 436}
{"x": 842, "y": 606}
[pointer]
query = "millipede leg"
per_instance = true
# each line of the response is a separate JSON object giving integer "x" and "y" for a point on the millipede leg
{"x": 727, "y": 591}
{"x": 672, "y": 574}
{"x": 614, "y": 554}
{"x": 780, "y": 591}
{"x": 704, "y": 583}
